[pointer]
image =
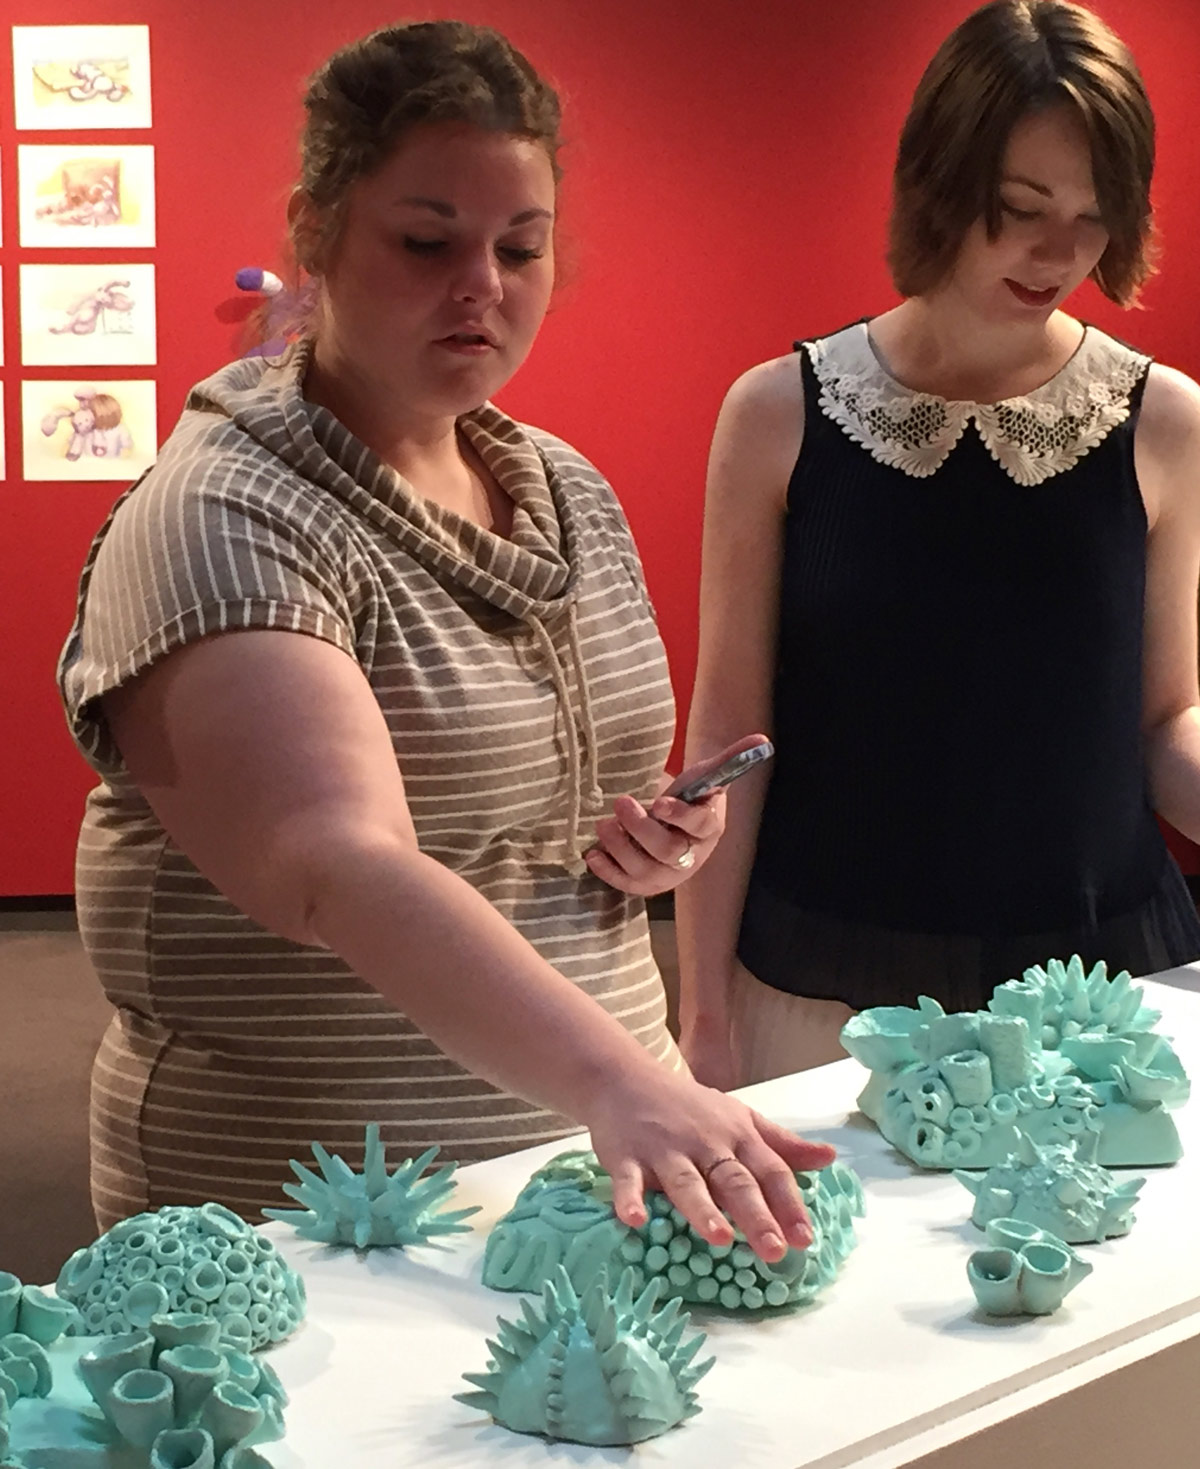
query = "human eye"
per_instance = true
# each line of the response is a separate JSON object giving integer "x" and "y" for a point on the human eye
{"x": 519, "y": 255}
{"x": 416, "y": 246}
{"x": 1014, "y": 213}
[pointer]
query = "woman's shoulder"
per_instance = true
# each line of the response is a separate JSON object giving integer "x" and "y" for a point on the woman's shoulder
{"x": 1169, "y": 423}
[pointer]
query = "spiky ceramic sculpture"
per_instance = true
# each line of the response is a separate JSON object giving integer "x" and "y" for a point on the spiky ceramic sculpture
{"x": 372, "y": 1209}
{"x": 1026, "y": 1271}
{"x": 1059, "y": 1053}
{"x": 598, "y": 1370}
{"x": 169, "y": 1398}
{"x": 563, "y": 1217}
{"x": 1057, "y": 1187}
{"x": 206, "y": 1260}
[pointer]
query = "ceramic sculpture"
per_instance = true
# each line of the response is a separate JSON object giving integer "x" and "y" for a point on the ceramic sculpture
{"x": 1058, "y": 1187}
{"x": 1026, "y": 1272}
{"x": 372, "y": 1209}
{"x": 31, "y": 1312}
{"x": 1059, "y": 1052}
{"x": 601, "y": 1369}
{"x": 172, "y": 1397}
{"x": 207, "y": 1261}
{"x": 564, "y": 1216}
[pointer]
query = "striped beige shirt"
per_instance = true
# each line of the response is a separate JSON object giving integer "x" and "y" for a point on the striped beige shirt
{"x": 524, "y": 685}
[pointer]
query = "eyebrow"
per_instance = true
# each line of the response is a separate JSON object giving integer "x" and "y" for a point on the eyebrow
{"x": 448, "y": 211}
{"x": 1019, "y": 178}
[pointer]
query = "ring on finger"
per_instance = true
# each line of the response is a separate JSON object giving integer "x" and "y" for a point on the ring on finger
{"x": 709, "y": 1169}
{"x": 686, "y": 858}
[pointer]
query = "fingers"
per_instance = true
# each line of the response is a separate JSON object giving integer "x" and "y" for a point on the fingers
{"x": 685, "y": 1187}
{"x": 702, "y": 768}
{"x": 796, "y": 1151}
{"x": 629, "y": 1194}
{"x": 637, "y": 854}
{"x": 702, "y": 820}
{"x": 781, "y": 1201}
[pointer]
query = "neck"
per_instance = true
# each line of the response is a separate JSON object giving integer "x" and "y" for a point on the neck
{"x": 937, "y": 345}
{"x": 410, "y": 442}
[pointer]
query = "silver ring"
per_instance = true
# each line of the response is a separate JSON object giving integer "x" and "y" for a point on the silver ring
{"x": 687, "y": 858}
{"x": 709, "y": 1169}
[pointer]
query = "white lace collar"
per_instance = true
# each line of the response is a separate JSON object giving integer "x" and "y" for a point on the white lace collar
{"x": 1032, "y": 438}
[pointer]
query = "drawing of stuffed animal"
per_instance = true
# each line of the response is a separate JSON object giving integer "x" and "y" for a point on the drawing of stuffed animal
{"x": 84, "y": 313}
{"x": 96, "y": 426}
{"x": 91, "y": 81}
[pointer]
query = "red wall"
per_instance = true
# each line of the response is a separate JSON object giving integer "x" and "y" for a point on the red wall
{"x": 727, "y": 185}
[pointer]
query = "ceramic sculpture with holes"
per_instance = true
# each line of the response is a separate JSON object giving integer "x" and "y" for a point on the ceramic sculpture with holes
{"x": 171, "y": 1397}
{"x": 564, "y": 1217}
{"x": 1059, "y": 1054}
{"x": 206, "y": 1260}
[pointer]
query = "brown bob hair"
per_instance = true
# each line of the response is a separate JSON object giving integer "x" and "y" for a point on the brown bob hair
{"x": 1005, "y": 60}
{"x": 369, "y": 94}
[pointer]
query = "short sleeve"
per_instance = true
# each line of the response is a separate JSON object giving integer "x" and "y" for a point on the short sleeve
{"x": 185, "y": 555}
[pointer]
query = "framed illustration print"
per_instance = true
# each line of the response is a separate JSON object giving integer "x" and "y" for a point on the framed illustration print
{"x": 86, "y": 315}
{"x": 90, "y": 199}
{"x": 80, "y": 430}
{"x": 81, "y": 77}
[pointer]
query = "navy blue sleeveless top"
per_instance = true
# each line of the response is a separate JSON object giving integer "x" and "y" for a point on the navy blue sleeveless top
{"x": 957, "y": 699}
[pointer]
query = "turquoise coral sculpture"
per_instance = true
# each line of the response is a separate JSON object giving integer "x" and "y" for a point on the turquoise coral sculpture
{"x": 172, "y": 1397}
{"x": 372, "y": 1209}
{"x": 564, "y": 1217}
{"x": 30, "y": 1312}
{"x": 1060, "y": 1052}
{"x": 206, "y": 1261}
{"x": 598, "y": 1370}
{"x": 1026, "y": 1272}
{"x": 1058, "y": 1188}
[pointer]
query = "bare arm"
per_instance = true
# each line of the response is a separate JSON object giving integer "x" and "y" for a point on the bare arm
{"x": 754, "y": 450}
{"x": 267, "y": 759}
{"x": 1167, "y": 449}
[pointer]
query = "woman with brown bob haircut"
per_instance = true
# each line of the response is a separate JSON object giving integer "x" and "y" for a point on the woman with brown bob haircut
{"x": 381, "y": 734}
{"x": 950, "y": 565}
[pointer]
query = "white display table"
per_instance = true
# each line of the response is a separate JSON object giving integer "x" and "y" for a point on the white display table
{"x": 891, "y": 1366}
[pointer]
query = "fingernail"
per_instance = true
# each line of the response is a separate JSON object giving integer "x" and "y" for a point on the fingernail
{"x": 773, "y": 1244}
{"x": 802, "y": 1236}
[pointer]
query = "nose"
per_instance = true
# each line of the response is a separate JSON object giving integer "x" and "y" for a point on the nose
{"x": 478, "y": 282}
{"x": 1057, "y": 243}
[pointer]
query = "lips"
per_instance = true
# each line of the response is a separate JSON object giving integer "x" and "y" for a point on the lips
{"x": 469, "y": 336}
{"x": 1030, "y": 297}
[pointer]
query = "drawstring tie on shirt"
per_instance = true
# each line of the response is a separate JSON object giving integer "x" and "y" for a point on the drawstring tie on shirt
{"x": 581, "y": 737}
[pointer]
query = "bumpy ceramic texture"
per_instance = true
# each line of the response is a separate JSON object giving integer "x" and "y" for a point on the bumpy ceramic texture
{"x": 372, "y": 1209}
{"x": 1026, "y": 1271}
{"x": 27, "y": 1328}
{"x": 599, "y": 1368}
{"x": 1059, "y": 1053}
{"x": 1057, "y": 1187}
{"x": 172, "y": 1397}
{"x": 207, "y": 1261}
{"x": 563, "y": 1216}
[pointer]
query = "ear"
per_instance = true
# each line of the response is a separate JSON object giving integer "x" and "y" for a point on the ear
{"x": 304, "y": 226}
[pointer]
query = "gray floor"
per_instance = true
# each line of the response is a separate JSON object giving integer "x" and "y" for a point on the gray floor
{"x": 52, "y": 1015}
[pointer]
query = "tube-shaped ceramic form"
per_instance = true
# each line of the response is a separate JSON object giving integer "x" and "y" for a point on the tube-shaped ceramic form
{"x": 182, "y": 1448}
{"x": 195, "y": 1372}
{"x": 10, "y": 1302}
{"x": 968, "y": 1074}
{"x": 141, "y": 1405}
{"x": 1005, "y": 1039}
{"x": 995, "y": 1279}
